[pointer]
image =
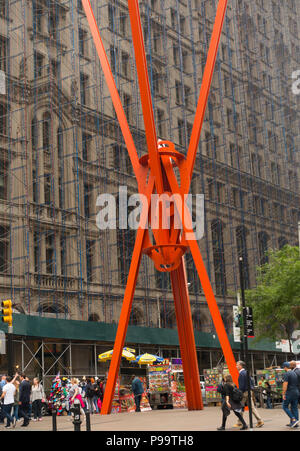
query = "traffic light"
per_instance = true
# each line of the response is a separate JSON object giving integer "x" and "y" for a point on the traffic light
{"x": 7, "y": 312}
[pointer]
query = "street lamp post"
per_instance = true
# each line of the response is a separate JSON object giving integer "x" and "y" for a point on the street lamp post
{"x": 245, "y": 340}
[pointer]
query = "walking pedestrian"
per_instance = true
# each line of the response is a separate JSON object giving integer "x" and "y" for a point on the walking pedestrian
{"x": 268, "y": 392}
{"x": 2, "y": 383}
{"x": 74, "y": 393}
{"x": 101, "y": 389}
{"x": 16, "y": 400}
{"x": 24, "y": 399}
{"x": 138, "y": 389}
{"x": 90, "y": 393}
{"x": 296, "y": 370}
{"x": 231, "y": 403}
{"x": 243, "y": 386}
{"x": 290, "y": 395}
{"x": 37, "y": 398}
{"x": 8, "y": 393}
{"x": 96, "y": 394}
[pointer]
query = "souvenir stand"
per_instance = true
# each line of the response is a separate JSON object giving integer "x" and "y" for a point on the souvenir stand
{"x": 159, "y": 382}
{"x": 213, "y": 378}
{"x": 177, "y": 384}
{"x": 274, "y": 377}
{"x": 166, "y": 385}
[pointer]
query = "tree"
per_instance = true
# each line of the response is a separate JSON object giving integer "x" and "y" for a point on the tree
{"x": 277, "y": 295}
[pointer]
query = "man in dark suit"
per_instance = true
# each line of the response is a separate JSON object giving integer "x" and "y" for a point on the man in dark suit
{"x": 24, "y": 399}
{"x": 243, "y": 386}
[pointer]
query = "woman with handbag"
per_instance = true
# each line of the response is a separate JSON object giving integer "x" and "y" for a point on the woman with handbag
{"x": 37, "y": 398}
{"x": 232, "y": 402}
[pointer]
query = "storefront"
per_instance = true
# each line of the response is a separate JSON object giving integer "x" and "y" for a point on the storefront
{"x": 43, "y": 347}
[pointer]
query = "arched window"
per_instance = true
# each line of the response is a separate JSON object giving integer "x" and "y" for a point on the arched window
{"x": 263, "y": 239}
{"x": 34, "y": 133}
{"x": 194, "y": 284}
{"x": 282, "y": 241}
{"x": 46, "y": 132}
{"x": 60, "y": 144}
{"x": 60, "y": 151}
{"x": 218, "y": 257}
{"x": 241, "y": 244}
{"x": 94, "y": 317}
{"x": 167, "y": 315}
{"x": 136, "y": 317}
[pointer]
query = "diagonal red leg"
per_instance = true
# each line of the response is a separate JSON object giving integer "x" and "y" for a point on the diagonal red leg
{"x": 126, "y": 306}
{"x": 186, "y": 338}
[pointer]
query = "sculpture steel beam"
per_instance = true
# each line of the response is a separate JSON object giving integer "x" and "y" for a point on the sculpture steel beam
{"x": 155, "y": 175}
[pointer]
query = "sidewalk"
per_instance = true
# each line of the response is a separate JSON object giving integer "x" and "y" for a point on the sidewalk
{"x": 163, "y": 420}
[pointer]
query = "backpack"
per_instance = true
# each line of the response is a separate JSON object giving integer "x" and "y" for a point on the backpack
{"x": 237, "y": 395}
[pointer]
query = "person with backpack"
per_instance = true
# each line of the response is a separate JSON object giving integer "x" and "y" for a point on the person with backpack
{"x": 233, "y": 398}
{"x": 243, "y": 386}
{"x": 90, "y": 393}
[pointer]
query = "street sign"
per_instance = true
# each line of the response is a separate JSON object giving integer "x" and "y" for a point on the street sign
{"x": 249, "y": 322}
{"x": 2, "y": 342}
{"x": 236, "y": 324}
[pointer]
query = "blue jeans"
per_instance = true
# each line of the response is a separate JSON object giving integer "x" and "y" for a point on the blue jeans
{"x": 269, "y": 402}
{"x": 7, "y": 408}
{"x": 137, "y": 399}
{"x": 291, "y": 399}
{"x": 95, "y": 402}
{"x": 16, "y": 412}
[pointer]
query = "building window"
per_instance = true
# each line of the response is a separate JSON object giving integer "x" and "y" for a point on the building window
{"x": 181, "y": 132}
{"x": 86, "y": 142}
{"x": 125, "y": 64}
{"x": 121, "y": 159}
{"x": 218, "y": 257}
{"x": 125, "y": 245}
{"x": 90, "y": 245}
{"x": 38, "y": 64}
{"x": 282, "y": 241}
{"x": 263, "y": 239}
{"x": 3, "y": 52}
{"x": 83, "y": 88}
{"x": 87, "y": 199}
{"x": 37, "y": 250}
{"x": 47, "y": 189}
{"x": 63, "y": 255}
{"x": 127, "y": 103}
{"x": 46, "y": 132}
{"x": 4, "y": 248}
{"x": 167, "y": 315}
{"x": 3, "y": 8}
{"x": 82, "y": 42}
{"x": 161, "y": 125}
{"x": 111, "y": 17}
{"x": 34, "y": 134}
{"x": 50, "y": 253}
{"x": 3, "y": 119}
{"x": 3, "y": 179}
{"x": 194, "y": 284}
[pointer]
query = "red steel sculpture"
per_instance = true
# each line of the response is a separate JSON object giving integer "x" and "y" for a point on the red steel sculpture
{"x": 155, "y": 175}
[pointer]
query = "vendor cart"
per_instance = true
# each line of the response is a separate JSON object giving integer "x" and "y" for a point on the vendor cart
{"x": 159, "y": 382}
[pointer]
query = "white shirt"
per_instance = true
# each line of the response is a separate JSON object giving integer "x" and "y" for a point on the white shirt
{"x": 9, "y": 392}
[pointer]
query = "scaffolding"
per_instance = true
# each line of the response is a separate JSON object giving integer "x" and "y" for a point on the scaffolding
{"x": 62, "y": 147}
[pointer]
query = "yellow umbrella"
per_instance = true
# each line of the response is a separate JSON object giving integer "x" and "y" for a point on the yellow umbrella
{"x": 127, "y": 353}
{"x": 145, "y": 359}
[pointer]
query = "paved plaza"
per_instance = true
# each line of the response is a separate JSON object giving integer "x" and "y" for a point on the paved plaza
{"x": 207, "y": 419}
